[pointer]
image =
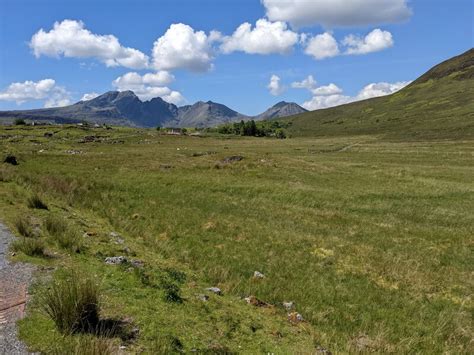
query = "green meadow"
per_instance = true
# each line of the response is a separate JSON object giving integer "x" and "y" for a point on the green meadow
{"x": 371, "y": 238}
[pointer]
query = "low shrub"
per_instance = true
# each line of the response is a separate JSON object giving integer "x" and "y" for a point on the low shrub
{"x": 36, "y": 202}
{"x": 73, "y": 304}
{"x": 19, "y": 122}
{"x": 29, "y": 246}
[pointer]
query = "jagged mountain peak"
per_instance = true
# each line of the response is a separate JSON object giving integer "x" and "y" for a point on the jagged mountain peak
{"x": 281, "y": 109}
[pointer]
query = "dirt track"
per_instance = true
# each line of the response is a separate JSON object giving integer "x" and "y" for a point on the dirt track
{"x": 14, "y": 281}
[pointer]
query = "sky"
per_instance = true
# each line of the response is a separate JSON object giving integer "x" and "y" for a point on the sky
{"x": 246, "y": 54}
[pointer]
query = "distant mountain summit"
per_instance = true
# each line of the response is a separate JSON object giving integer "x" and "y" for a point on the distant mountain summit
{"x": 125, "y": 108}
{"x": 281, "y": 109}
{"x": 205, "y": 114}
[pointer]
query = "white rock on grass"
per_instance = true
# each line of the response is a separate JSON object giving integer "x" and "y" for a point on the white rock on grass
{"x": 115, "y": 260}
{"x": 215, "y": 290}
{"x": 258, "y": 275}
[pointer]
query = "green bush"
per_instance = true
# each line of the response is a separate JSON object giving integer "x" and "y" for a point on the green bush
{"x": 29, "y": 246}
{"x": 73, "y": 304}
{"x": 36, "y": 202}
{"x": 19, "y": 122}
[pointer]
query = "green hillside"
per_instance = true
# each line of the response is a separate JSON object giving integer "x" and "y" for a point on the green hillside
{"x": 437, "y": 105}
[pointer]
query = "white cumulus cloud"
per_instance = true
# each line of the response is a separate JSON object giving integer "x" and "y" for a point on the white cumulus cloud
{"x": 375, "y": 41}
{"x": 326, "y": 46}
{"x": 327, "y": 90}
{"x": 381, "y": 89}
{"x": 337, "y": 13}
{"x": 89, "y": 96}
{"x": 308, "y": 83}
{"x": 331, "y": 95}
{"x": 320, "y": 102}
{"x": 275, "y": 87}
{"x": 265, "y": 38}
{"x": 183, "y": 47}
{"x": 45, "y": 89}
{"x": 149, "y": 86}
{"x": 322, "y": 46}
{"x": 70, "y": 38}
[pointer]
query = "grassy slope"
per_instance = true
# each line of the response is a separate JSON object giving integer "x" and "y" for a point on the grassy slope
{"x": 371, "y": 239}
{"x": 437, "y": 105}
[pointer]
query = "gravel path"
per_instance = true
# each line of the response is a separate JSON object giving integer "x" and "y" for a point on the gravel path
{"x": 14, "y": 281}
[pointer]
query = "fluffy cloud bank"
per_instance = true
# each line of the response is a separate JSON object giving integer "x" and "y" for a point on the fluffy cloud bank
{"x": 337, "y": 13}
{"x": 45, "y": 89}
{"x": 331, "y": 95}
{"x": 149, "y": 86}
{"x": 265, "y": 38}
{"x": 183, "y": 47}
{"x": 70, "y": 38}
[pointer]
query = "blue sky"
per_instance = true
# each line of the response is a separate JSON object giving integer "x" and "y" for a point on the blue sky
{"x": 321, "y": 38}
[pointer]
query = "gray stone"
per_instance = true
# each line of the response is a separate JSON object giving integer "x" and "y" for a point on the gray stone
{"x": 203, "y": 298}
{"x": 215, "y": 290}
{"x": 115, "y": 260}
{"x": 258, "y": 275}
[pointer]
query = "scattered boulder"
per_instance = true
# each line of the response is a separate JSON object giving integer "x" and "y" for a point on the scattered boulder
{"x": 114, "y": 234}
{"x": 295, "y": 317}
{"x": 10, "y": 159}
{"x": 138, "y": 263}
{"x": 321, "y": 350}
{"x": 91, "y": 139}
{"x": 73, "y": 152}
{"x": 203, "y": 297}
{"x": 48, "y": 134}
{"x": 115, "y": 260}
{"x": 258, "y": 275}
{"x": 215, "y": 290}
{"x": 232, "y": 159}
{"x": 254, "y": 301}
{"x": 288, "y": 305}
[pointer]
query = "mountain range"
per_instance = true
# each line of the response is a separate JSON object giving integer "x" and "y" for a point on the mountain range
{"x": 125, "y": 108}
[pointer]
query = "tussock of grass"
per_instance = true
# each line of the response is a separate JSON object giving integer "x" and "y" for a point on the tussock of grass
{"x": 83, "y": 345}
{"x": 24, "y": 227}
{"x": 29, "y": 246}
{"x": 36, "y": 202}
{"x": 55, "y": 225}
{"x": 73, "y": 304}
{"x": 63, "y": 234}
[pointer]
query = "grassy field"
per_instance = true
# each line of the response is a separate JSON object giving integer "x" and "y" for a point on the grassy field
{"x": 371, "y": 239}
